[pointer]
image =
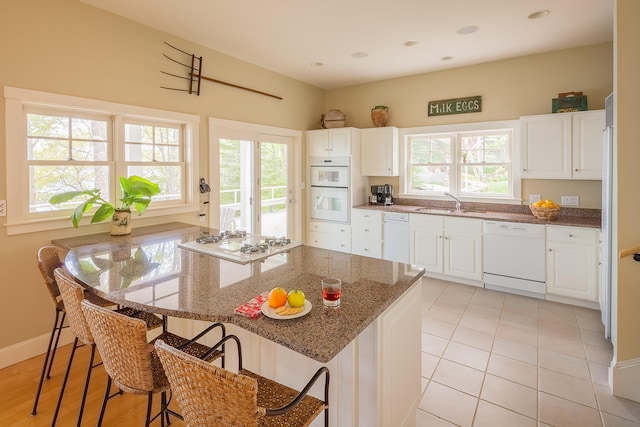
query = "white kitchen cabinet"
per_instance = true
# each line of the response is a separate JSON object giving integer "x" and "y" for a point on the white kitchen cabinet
{"x": 379, "y": 149}
{"x": 572, "y": 262}
{"x": 366, "y": 233}
{"x": 332, "y": 142}
{"x": 562, "y": 145}
{"x": 447, "y": 245}
{"x": 328, "y": 235}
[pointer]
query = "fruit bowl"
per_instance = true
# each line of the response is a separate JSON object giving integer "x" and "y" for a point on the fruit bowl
{"x": 545, "y": 213}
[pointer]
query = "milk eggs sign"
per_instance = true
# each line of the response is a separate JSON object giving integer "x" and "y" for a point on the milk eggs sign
{"x": 471, "y": 104}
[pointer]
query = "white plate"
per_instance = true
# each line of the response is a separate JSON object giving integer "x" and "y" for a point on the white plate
{"x": 269, "y": 312}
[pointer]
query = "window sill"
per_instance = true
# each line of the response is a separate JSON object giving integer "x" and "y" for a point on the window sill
{"x": 502, "y": 200}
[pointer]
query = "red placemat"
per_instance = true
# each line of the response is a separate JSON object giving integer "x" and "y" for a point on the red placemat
{"x": 252, "y": 307}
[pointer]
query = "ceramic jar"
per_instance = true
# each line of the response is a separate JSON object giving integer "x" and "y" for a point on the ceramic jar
{"x": 380, "y": 115}
{"x": 121, "y": 222}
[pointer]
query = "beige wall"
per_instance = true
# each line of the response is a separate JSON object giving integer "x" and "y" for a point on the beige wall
{"x": 625, "y": 216}
{"x": 67, "y": 47}
{"x": 509, "y": 89}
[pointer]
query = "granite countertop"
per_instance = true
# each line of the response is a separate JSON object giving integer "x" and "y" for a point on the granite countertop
{"x": 147, "y": 270}
{"x": 575, "y": 217}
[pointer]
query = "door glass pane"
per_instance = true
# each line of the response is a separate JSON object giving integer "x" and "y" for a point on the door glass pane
{"x": 236, "y": 185}
{"x": 274, "y": 189}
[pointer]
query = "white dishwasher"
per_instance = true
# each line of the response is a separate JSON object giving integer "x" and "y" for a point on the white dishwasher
{"x": 514, "y": 257}
{"x": 395, "y": 237}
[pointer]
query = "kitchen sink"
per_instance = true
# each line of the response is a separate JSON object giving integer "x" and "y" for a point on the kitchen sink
{"x": 449, "y": 211}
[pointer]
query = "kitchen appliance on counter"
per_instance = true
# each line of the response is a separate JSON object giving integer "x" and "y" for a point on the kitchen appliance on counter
{"x": 382, "y": 194}
{"x": 514, "y": 257}
{"x": 329, "y": 190}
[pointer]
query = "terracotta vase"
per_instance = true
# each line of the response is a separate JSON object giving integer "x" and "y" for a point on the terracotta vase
{"x": 121, "y": 222}
{"x": 380, "y": 116}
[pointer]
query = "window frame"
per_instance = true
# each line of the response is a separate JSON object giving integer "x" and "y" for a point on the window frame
{"x": 17, "y": 101}
{"x": 458, "y": 130}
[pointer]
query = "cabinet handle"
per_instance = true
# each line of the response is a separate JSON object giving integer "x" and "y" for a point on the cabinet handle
{"x": 549, "y": 249}
{"x": 366, "y": 230}
{"x": 570, "y": 235}
{"x": 576, "y": 170}
{"x": 524, "y": 170}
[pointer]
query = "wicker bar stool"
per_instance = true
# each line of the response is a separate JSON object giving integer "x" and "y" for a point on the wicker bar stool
{"x": 48, "y": 261}
{"x": 72, "y": 294}
{"x": 131, "y": 362}
{"x": 209, "y": 396}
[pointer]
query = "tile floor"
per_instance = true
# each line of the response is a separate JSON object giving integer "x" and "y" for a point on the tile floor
{"x": 496, "y": 359}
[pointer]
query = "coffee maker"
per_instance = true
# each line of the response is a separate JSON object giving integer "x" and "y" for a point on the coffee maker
{"x": 382, "y": 194}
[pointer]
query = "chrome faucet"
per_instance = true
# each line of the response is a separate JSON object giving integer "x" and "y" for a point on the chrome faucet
{"x": 456, "y": 199}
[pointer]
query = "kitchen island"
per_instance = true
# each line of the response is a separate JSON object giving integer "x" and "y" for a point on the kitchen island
{"x": 371, "y": 343}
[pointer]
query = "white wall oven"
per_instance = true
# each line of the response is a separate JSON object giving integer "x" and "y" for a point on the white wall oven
{"x": 329, "y": 189}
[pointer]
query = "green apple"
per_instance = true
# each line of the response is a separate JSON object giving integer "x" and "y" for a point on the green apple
{"x": 296, "y": 298}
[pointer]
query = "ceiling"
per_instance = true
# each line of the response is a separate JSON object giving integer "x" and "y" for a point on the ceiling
{"x": 359, "y": 41}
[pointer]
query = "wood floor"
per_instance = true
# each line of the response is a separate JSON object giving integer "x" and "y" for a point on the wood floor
{"x": 18, "y": 384}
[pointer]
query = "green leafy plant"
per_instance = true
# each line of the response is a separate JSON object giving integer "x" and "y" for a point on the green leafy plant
{"x": 136, "y": 192}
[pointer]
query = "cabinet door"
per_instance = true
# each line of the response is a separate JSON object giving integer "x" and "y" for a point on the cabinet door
{"x": 379, "y": 149}
{"x": 462, "y": 255}
{"x": 340, "y": 142}
{"x": 588, "y": 137}
{"x": 426, "y": 242}
{"x": 546, "y": 146}
{"x": 318, "y": 142}
{"x": 572, "y": 270}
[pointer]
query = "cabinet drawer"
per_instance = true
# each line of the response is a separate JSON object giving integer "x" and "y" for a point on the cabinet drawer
{"x": 463, "y": 225}
{"x": 360, "y": 215}
{"x": 331, "y": 228}
{"x": 423, "y": 221}
{"x": 367, "y": 230}
{"x": 589, "y": 236}
{"x": 332, "y": 242}
{"x": 370, "y": 248}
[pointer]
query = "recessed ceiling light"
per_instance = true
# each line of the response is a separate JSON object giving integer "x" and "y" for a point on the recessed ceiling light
{"x": 316, "y": 64}
{"x": 359, "y": 54}
{"x": 446, "y": 58}
{"x": 410, "y": 43}
{"x": 539, "y": 14}
{"x": 468, "y": 29}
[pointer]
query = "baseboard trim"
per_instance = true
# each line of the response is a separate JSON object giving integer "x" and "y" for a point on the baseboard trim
{"x": 624, "y": 378}
{"x": 33, "y": 347}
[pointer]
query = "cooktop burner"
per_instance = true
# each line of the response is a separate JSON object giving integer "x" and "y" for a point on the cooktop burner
{"x": 240, "y": 246}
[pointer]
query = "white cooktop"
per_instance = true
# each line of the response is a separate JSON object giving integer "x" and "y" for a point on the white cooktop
{"x": 230, "y": 249}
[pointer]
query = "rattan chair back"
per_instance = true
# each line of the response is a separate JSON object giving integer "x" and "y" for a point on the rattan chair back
{"x": 122, "y": 342}
{"x": 72, "y": 295}
{"x": 48, "y": 261}
{"x": 209, "y": 396}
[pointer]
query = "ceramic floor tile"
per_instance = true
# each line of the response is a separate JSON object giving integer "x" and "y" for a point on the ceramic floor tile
{"x": 591, "y": 324}
{"x": 429, "y": 363}
{"x": 587, "y": 313}
{"x": 567, "y": 387}
{"x": 520, "y": 320}
{"x": 594, "y": 338}
{"x": 449, "y": 404}
{"x": 459, "y": 377}
{"x": 557, "y": 312}
{"x": 488, "y": 298}
{"x": 437, "y": 328}
{"x": 444, "y": 313}
{"x": 559, "y": 330}
{"x": 599, "y": 373}
{"x": 425, "y": 419}
{"x": 561, "y": 345}
{"x": 513, "y": 370}
{"x": 597, "y": 354}
{"x": 490, "y": 415}
{"x": 510, "y": 395}
{"x": 433, "y": 345}
{"x": 479, "y": 322}
{"x": 615, "y": 405}
{"x": 613, "y": 421}
{"x": 517, "y": 333}
{"x": 423, "y": 385}
{"x": 562, "y": 363}
{"x": 556, "y": 411}
{"x": 466, "y": 355}
{"x": 521, "y": 304}
{"x": 484, "y": 311}
{"x": 516, "y": 350}
{"x": 473, "y": 338}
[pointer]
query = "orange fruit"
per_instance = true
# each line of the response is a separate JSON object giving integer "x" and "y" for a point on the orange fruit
{"x": 277, "y": 297}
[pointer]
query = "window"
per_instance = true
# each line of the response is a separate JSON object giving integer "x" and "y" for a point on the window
{"x": 61, "y": 143}
{"x": 472, "y": 163}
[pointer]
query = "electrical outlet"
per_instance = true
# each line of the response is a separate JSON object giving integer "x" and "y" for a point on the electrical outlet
{"x": 533, "y": 198}
{"x": 570, "y": 201}
{"x": 3, "y": 208}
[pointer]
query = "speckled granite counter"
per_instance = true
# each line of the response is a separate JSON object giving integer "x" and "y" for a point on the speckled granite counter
{"x": 147, "y": 270}
{"x": 569, "y": 216}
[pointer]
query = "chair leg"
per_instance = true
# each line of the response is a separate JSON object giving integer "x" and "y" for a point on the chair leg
{"x": 149, "y": 403}
{"x": 86, "y": 384}
{"x": 104, "y": 401}
{"x": 48, "y": 359}
{"x": 64, "y": 382}
{"x": 55, "y": 345}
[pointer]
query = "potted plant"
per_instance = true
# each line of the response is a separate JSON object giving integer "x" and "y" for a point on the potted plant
{"x": 136, "y": 193}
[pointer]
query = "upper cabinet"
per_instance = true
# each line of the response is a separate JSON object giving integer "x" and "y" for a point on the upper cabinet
{"x": 331, "y": 142}
{"x": 379, "y": 149}
{"x": 562, "y": 146}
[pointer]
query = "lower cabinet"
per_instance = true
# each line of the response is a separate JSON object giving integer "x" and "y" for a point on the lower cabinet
{"x": 447, "y": 245}
{"x": 573, "y": 262}
{"x": 366, "y": 233}
{"x": 329, "y": 235}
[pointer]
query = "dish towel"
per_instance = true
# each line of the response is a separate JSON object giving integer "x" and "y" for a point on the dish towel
{"x": 252, "y": 308}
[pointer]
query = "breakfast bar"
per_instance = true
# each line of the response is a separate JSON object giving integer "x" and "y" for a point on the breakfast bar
{"x": 371, "y": 343}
